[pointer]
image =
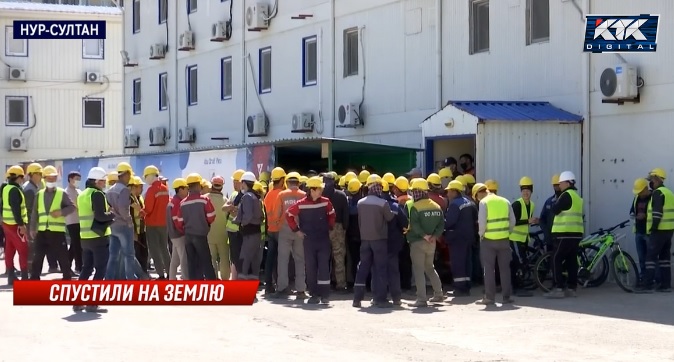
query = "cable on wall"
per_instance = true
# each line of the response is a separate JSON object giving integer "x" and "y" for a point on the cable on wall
{"x": 187, "y": 8}
{"x": 164, "y": 86}
{"x": 187, "y": 96}
{"x": 273, "y": 13}
{"x": 257, "y": 91}
{"x": 362, "y": 99}
{"x": 107, "y": 85}
{"x": 32, "y": 108}
{"x": 228, "y": 24}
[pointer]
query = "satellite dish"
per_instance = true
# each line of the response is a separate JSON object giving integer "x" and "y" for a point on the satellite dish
{"x": 608, "y": 82}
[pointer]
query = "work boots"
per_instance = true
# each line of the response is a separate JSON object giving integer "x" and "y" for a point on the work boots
{"x": 11, "y": 277}
{"x": 24, "y": 275}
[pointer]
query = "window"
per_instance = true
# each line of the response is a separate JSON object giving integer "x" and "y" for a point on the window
{"x": 265, "y": 70}
{"x": 538, "y": 21}
{"x": 15, "y": 47}
{"x": 92, "y": 112}
{"x": 192, "y": 89}
{"x": 163, "y": 11}
{"x": 136, "y": 96}
{"x": 350, "y": 52}
{"x": 479, "y": 26}
{"x": 226, "y": 78}
{"x": 136, "y": 16}
{"x": 93, "y": 48}
{"x": 16, "y": 111}
{"x": 309, "y": 61}
{"x": 163, "y": 95}
{"x": 191, "y": 6}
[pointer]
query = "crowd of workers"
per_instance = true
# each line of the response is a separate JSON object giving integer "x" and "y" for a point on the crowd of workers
{"x": 313, "y": 228}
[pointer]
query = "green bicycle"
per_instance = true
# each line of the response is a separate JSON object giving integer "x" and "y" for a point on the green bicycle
{"x": 593, "y": 262}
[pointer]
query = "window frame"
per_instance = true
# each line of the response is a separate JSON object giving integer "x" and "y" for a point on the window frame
{"x": 84, "y": 113}
{"x": 347, "y": 65}
{"x": 530, "y": 26}
{"x": 101, "y": 48}
{"x": 163, "y": 92}
{"x": 137, "y": 96}
{"x": 8, "y": 29}
{"x": 306, "y": 82}
{"x": 135, "y": 17}
{"x": 260, "y": 72}
{"x": 162, "y": 10}
{"x": 473, "y": 23}
{"x": 26, "y": 116}
{"x": 192, "y": 6}
{"x": 191, "y": 68}
{"x": 223, "y": 96}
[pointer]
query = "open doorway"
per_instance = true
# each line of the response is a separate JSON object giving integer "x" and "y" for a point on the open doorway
{"x": 440, "y": 148}
{"x": 301, "y": 158}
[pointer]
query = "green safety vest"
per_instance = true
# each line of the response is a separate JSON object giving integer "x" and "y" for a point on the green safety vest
{"x": 45, "y": 221}
{"x": 85, "y": 211}
{"x": 571, "y": 220}
{"x": 231, "y": 226}
{"x": 667, "y": 220}
{"x": 7, "y": 215}
{"x": 520, "y": 233}
{"x": 498, "y": 218}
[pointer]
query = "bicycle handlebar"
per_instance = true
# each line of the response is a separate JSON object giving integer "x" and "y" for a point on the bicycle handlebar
{"x": 609, "y": 230}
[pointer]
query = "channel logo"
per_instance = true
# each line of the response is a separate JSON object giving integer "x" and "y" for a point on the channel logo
{"x": 621, "y": 33}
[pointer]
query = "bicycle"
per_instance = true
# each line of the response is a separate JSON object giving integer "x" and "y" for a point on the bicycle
{"x": 534, "y": 251}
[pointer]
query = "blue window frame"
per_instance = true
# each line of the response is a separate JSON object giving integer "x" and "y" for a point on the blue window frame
{"x": 264, "y": 71}
{"x": 309, "y": 61}
{"x": 163, "y": 10}
{"x": 191, "y": 6}
{"x": 16, "y": 111}
{"x": 192, "y": 85}
{"x": 226, "y": 78}
{"x": 136, "y": 16}
{"x": 163, "y": 95}
{"x": 136, "y": 91}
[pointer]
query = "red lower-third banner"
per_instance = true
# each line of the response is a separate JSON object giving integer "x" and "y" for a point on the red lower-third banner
{"x": 58, "y": 292}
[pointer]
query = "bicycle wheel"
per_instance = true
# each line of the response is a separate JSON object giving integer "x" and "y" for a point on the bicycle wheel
{"x": 625, "y": 271}
{"x": 527, "y": 277}
{"x": 599, "y": 275}
{"x": 542, "y": 272}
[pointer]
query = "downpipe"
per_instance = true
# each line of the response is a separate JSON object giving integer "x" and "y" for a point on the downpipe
{"x": 333, "y": 124}
{"x": 587, "y": 144}
{"x": 244, "y": 72}
{"x": 438, "y": 49}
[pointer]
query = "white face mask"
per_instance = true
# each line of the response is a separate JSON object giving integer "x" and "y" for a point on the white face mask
{"x": 150, "y": 179}
{"x": 51, "y": 185}
{"x": 76, "y": 184}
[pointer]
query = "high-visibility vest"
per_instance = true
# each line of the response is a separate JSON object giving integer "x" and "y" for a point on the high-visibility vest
{"x": 667, "y": 219}
{"x": 231, "y": 226}
{"x": 571, "y": 220}
{"x": 137, "y": 220}
{"x": 498, "y": 218}
{"x": 85, "y": 211}
{"x": 520, "y": 233}
{"x": 45, "y": 221}
{"x": 263, "y": 226}
{"x": 7, "y": 215}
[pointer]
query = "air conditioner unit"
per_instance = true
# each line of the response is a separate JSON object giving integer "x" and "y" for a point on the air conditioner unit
{"x": 157, "y": 136}
{"x": 92, "y": 77}
{"x": 302, "y": 122}
{"x": 131, "y": 141}
{"x": 17, "y": 74}
{"x": 619, "y": 82}
{"x": 186, "y": 41}
{"x": 257, "y": 17}
{"x": 187, "y": 135}
{"x": 157, "y": 51}
{"x": 257, "y": 125}
{"x": 348, "y": 115}
{"x": 18, "y": 144}
{"x": 219, "y": 31}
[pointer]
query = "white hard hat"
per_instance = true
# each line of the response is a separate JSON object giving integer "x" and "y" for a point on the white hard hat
{"x": 97, "y": 173}
{"x": 248, "y": 176}
{"x": 567, "y": 176}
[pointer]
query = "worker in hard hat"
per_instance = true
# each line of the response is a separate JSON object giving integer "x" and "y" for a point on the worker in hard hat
{"x": 338, "y": 232}
{"x": 353, "y": 195}
{"x": 138, "y": 213}
{"x": 460, "y": 219}
{"x": 496, "y": 221}
{"x": 341, "y": 184}
{"x": 217, "y": 236}
{"x": 399, "y": 192}
{"x": 303, "y": 183}
{"x": 111, "y": 180}
{"x": 545, "y": 219}
{"x": 397, "y": 228}
{"x": 469, "y": 181}
{"x": 14, "y": 223}
{"x": 205, "y": 186}
{"x": 446, "y": 175}
{"x": 311, "y": 219}
{"x": 523, "y": 208}
{"x": 426, "y": 225}
{"x": 638, "y": 214}
{"x": 259, "y": 191}
{"x": 453, "y": 166}
{"x": 567, "y": 231}
{"x": 362, "y": 176}
{"x": 194, "y": 219}
{"x": 249, "y": 218}
{"x": 265, "y": 176}
{"x": 30, "y": 188}
{"x": 156, "y": 201}
{"x": 233, "y": 234}
{"x": 274, "y": 221}
{"x": 388, "y": 180}
{"x": 179, "y": 252}
{"x": 660, "y": 227}
{"x": 73, "y": 222}
{"x": 492, "y": 186}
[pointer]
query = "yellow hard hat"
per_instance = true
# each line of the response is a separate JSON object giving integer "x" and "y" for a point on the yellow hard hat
{"x": 15, "y": 170}
{"x": 315, "y": 182}
{"x": 150, "y": 170}
{"x": 34, "y": 168}
{"x": 389, "y": 178}
{"x": 402, "y": 184}
{"x": 277, "y": 173}
{"x": 264, "y": 183}
{"x": 385, "y": 187}
{"x": 492, "y": 185}
{"x": 455, "y": 185}
{"x": 445, "y": 172}
{"x": 434, "y": 179}
{"x": 193, "y": 178}
{"x": 236, "y": 176}
{"x": 205, "y": 183}
{"x": 350, "y": 176}
{"x": 334, "y": 175}
{"x": 50, "y": 171}
{"x": 640, "y": 184}
{"x": 293, "y": 175}
{"x": 419, "y": 184}
{"x": 526, "y": 181}
{"x": 258, "y": 187}
{"x": 123, "y": 167}
{"x": 373, "y": 179}
{"x": 178, "y": 183}
{"x": 136, "y": 181}
{"x": 555, "y": 180}
{"x": 363, "y": 175}
{"x": 265, "y": 176}
{"x": 303, "y": 179}
{"x": 477, "y": 188}
{"x": 342, "y": 181}
{"x": 657, "y": 172}
{"x": 354, "y": 186}
{"x": 112, "y": 176}
{"x": 461, "y": 179}
{"x": 470, "y": 180}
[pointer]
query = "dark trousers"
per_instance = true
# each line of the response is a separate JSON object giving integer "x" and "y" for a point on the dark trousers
{"x": 395, "y": 245}
{"x": 47, "y": 242}
{"x": 271, "y": 260}
{"x": 518, "y": 263}
{"x": 199, "y": 258}
{"x": 373, "y": 256}
{"x": 460, "y": 259}
{"x": 95, "y": 254}
{"x": 75, "y": 251}
{"x": 477, "y": 276}
{"x": 317, "y": 255}
{"x": 405, "y": 265}
{"x": 142, "y": 255}
{"x": 659, "y": 254}
{"x": 353, "y": 248}
{"x": 235, "y": 243}
{"x": 565, "y": 259}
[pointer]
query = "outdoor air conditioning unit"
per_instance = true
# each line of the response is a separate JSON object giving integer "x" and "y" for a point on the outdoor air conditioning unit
{"x": 257, "y": 17}
{"x": 187, "y": 135}
{"x": 219, "y": 31}
{"x": 302, "y": 123}
{"x": 348, "y": 116}
{"x": 257, "y": 125}
{"x": 17, "y": 74}
{"x": 619, "y": 83}
{"x": 186, "y": 41}
{"x": 92, "y": 77}
{"x": 157, "y": 51}
{"x": 157, "y": 136}
{"x": 131, "y": 141}
{"x": 18, "y": 144}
